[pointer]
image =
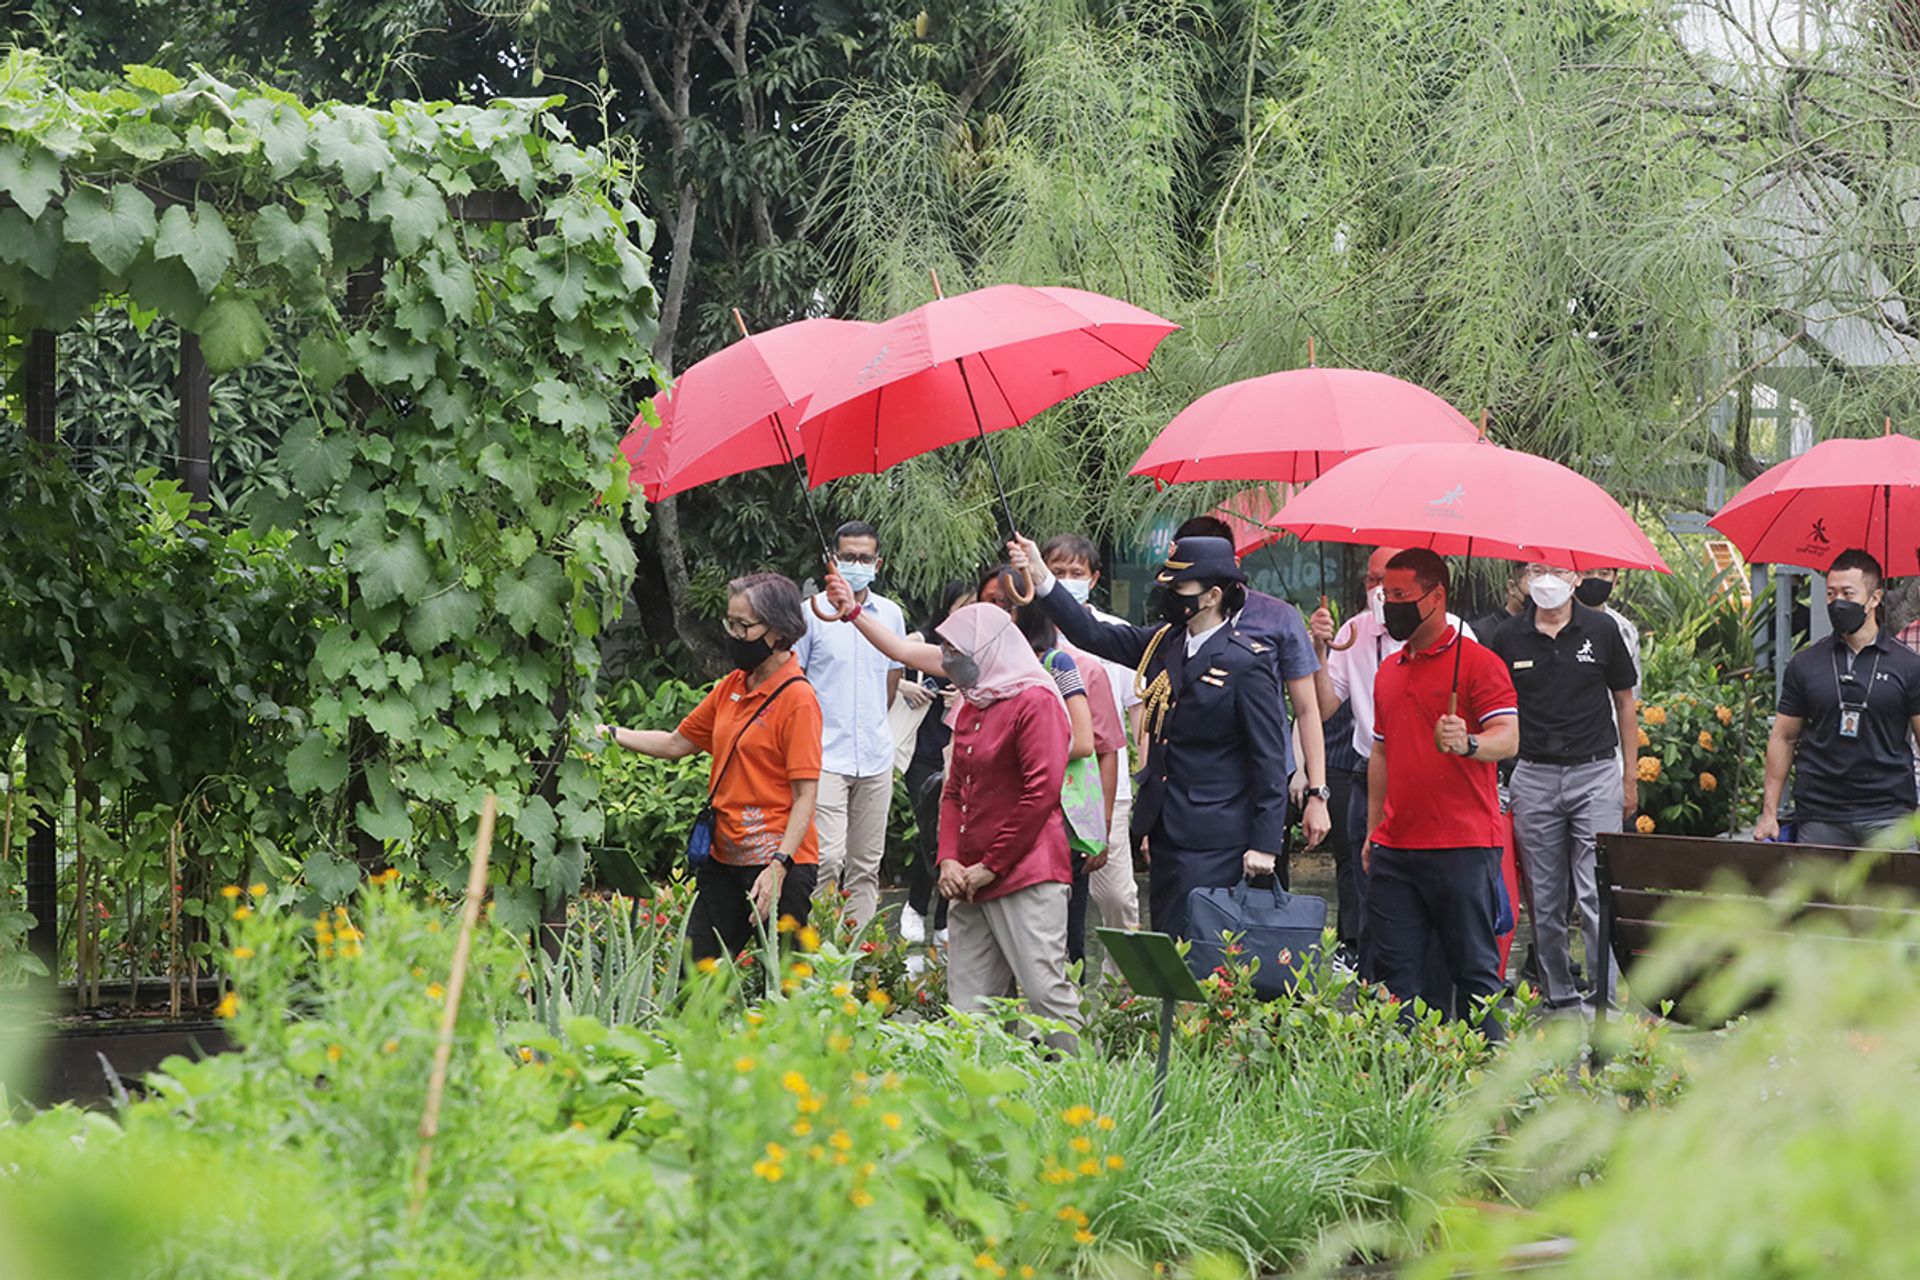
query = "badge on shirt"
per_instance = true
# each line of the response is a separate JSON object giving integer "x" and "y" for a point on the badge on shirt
{"x": 1523, "y": 664}
{"x": 1849, "y": 722}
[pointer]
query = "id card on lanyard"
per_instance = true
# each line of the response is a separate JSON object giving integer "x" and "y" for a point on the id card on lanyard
{"x": 1850, "y": 712}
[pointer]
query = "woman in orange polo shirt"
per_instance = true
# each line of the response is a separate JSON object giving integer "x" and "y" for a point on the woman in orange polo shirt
{"x": 761, "y": 725}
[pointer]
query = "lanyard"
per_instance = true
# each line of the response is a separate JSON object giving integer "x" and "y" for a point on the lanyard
{"x": 1841, "y": 697}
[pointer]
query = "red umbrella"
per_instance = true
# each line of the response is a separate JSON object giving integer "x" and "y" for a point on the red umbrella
{"x": 1293, "y": 425}
{"x": 1250, "y": 514}
{"x": 737, "y": 409}
{"x": 1470, "y": 499}
{"x": 966, "y": 365}
{"x": 1836, "y": 495}
{"x": 1467, "y": 499}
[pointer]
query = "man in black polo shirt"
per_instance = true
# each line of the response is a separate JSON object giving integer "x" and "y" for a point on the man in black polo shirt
{"x": 1576, "y": 777}
{"x": 1847, "y": 706}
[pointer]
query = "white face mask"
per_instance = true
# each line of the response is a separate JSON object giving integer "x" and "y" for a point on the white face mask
{"x": 1078, "y": 588}
{"x": 858, "y": 576}
{"x": 1550, "y": 591}
{"x": 1377, "y": 604}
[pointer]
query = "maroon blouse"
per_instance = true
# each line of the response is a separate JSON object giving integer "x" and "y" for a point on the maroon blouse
{"x": 1001, "y": 805}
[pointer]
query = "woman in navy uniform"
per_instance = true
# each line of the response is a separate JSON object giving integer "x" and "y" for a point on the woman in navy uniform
{"x": 1212, "y": 797}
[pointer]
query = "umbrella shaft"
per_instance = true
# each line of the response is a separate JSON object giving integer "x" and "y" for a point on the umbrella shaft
{"x": 806, "y": 493}
{"x": 993, "y": 463}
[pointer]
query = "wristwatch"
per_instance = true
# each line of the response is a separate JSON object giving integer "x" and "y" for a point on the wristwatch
{"x": 1473, "y": 747}
{"x": 1320, "y": 793}
{"x": 784, "y": 859}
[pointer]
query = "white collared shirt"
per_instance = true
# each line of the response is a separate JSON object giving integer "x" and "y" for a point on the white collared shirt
{"x": 1352, "y": 669}
{"x": 850, "y": 677}
{"x": 1196, "y": 642}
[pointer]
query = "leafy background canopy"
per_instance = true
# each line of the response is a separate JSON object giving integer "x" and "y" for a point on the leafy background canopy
{"x": 451, "y": 459}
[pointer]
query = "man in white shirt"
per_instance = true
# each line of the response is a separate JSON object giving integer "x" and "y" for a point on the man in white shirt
{"x": 855, "y": 683}
{"x": 1075, "y": 564}
{"x": 1347, "y": 669}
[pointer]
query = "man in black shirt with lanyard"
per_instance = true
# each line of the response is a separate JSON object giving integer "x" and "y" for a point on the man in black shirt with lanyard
{"x": 1579, "y": 749}
{"x": 1847, "y": 707}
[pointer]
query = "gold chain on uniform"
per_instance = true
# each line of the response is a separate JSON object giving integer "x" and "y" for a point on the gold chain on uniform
{"x": 1156, "y": 696}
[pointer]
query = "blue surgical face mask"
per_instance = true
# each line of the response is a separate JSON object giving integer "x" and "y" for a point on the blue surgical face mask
{"x": 1078, "y": 588}
{"x": 858, "y": 576}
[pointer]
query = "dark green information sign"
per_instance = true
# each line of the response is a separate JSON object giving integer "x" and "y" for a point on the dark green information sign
{"x": 1153, "y": 967}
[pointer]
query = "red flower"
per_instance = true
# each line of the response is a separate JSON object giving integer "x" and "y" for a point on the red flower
{"x": 868, "y": 948}
{"x": 1219, "y": 971}
{"x": 660, "y": 920}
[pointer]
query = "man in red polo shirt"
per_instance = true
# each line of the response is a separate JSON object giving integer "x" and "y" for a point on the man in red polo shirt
{"x": 1433, "y": 796}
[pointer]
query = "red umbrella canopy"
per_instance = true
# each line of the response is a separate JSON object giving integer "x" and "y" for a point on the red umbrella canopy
{"x": 1838, "y": 494}
{"x": 973, "y": 363}
{"x": 738, "y": 409}
{"x": 1470, "y": 499}
{"x": 1250, "y": 514}
{"x": 1293, "y": 425}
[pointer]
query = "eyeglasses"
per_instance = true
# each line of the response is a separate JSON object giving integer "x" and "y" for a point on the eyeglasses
{"x": 742, "y": 629}
{"x": 843, "y": 556}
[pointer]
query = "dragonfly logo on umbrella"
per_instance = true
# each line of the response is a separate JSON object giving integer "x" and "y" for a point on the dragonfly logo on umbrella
{"x": 1817, "y": 543}
{"x": 1447, "y": 504}
{"x": 871, "y": 369}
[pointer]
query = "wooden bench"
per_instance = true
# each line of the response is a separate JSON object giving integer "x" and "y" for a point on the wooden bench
{"x": 1641, "y": 876}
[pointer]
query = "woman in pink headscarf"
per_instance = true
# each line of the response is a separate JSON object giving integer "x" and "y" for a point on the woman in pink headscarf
{"x": 1005, "y": 868}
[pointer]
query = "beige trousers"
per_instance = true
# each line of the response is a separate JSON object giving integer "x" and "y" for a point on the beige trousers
{"x": 1112, "y": 889}
{"x": 1019, "y": 939}
{"x": 851, "y": 817}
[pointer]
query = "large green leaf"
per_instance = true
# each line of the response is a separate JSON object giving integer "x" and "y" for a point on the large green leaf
{"x": 331, "y": 876}
{"x": 283, "y": 133}
{"x": 442, "y": 616}
{"x": 397, "y": 569}
{"x": 566, "y": 405}
{"x": 33, "y": 243}
{"x": 413, "y": 209}
{"x": 349, "y": 139}
{"x": 145, "y": 139}
{"x": 113, "y": 226}
{"x": 537, "y": 824}
{"x": 301, "y": 247}
{"x": 200, "y": 240}
{"x": 386, "y": 818}
{"x": 316, "y": 765}
{"x": 167, "y": 286}
{"x": 29, "y": 175}
{"x": 232, "y": 333}
{"x": 530, "y": 598}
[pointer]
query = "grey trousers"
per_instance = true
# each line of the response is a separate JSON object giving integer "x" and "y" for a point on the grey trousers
{"x": 1021, "y": 938}
{"x": 1558, "y": 813}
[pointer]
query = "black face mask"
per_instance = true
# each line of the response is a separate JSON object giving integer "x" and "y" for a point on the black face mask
{"x": 1847, "y": 616}
{"x": 1176, "y": 609}
{"x": 1593, "y": 592}
{"x": 747, "y": 654}
{"x": 1403, "y": 617}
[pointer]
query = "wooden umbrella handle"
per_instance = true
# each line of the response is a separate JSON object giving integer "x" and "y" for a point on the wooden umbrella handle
{"x": 813, "y": 601}
{"x": 1335, "y": 644}
{"x": 1011, "y": 581}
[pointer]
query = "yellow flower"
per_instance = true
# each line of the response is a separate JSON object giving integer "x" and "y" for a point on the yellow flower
{"x": 1089, "y": 1168}
{"x": 1645, "y": 741}
{"x": 1068, "y": 1214}
{"x": 1723, "y": 714}
{"x": 1106, "y": 1123}
{"x": 257, "y": 890}
{"x": 228, "y": 1006}
{"x": 801, "y": 969}
{"x": 333, "y": 1053}
{"x": 776, "y": 1152}
{"x": 891, "y": 1119}
{"x": 1083, "y": 1236}
{"x": 849, "y": 1007}
{"x": 755, "y": 1017}
{"x": 1077, "y": 1115}
{"x": 809, "y": 939}
{"x": 706, "y": 964}
{"x": 391, "y": 1046}
{"x": 839, "y": 1042}
{"x": 418, "y": 972}
{"x": 1082, "y": 1145}
{"x": 841, "y": 990}
{"x": 229, "y": 891}
{"x": 743, "y": 1065}
{"x": 811, "y": 1106}
{"x": 242, "y": 911}
{"x": 1709, "y": 783}
{"x": 1643, "y": 824}
{"x": 526, "y": 1054}
{"x": 878, "y": 998}
{"x": 243, "y": 953}
{"x": 435, "y": 991}
{"x": 1026, "y": 1272}
{"x": 788, "y": 924}
{"x": 771, "y": 1172}
{"x": 1656, "y": 715}
{"x": 1705, "y": 740}
{"x": 861, "y": 1197}
{"x": 840, "y": 1140}
{"x": 1649, "y": 768}
{"x": 1116, "y": 1162}
{"x": 794, "y": 1082}
{"x": 801, "y": 1128}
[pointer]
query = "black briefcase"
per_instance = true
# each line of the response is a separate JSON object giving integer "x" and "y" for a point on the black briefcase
{"x": 1282, "y": 929}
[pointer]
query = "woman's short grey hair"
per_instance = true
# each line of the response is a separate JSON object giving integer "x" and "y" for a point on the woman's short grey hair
{"x": 775, "y": 601}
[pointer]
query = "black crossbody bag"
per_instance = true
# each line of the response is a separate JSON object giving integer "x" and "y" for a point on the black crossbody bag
{"x": 700, "y": 836}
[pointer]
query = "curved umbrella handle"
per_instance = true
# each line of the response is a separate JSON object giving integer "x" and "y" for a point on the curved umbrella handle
{"x": 813, "y": 601}
{"x": 1335, "y": 644}
{"x": 1021, "y": 594}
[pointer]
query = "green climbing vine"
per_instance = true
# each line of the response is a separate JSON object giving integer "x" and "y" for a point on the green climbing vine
{"x": 461, "y": 379}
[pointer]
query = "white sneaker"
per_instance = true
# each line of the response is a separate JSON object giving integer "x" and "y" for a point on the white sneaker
{"x": 913, "y": 925}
